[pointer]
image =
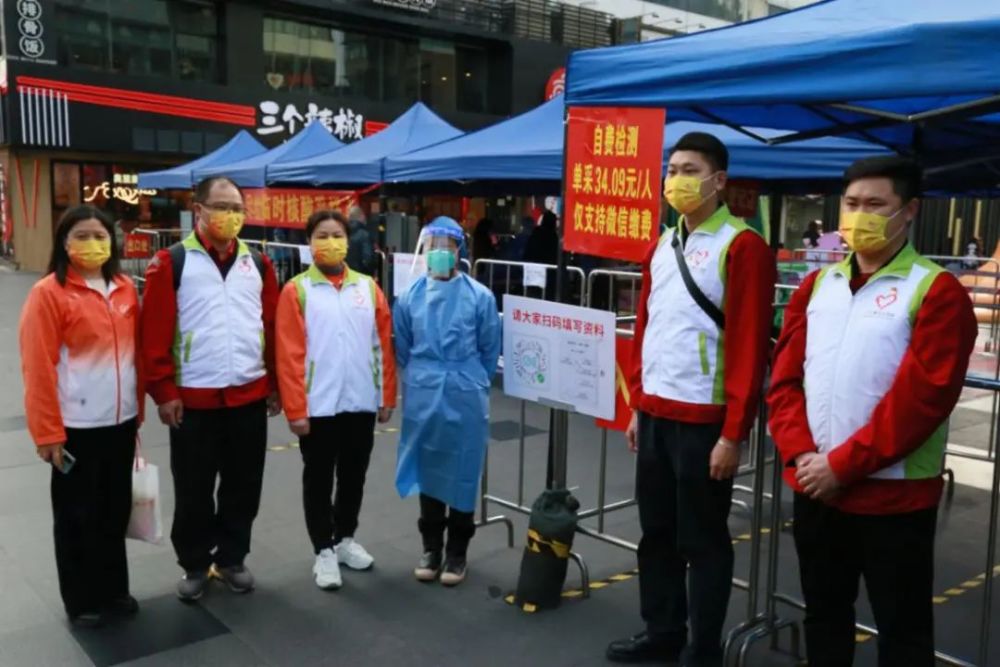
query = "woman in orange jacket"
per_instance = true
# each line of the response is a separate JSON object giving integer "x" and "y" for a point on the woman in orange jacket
{"x": 337, "y": 373}
{"x": 82, "y": 395}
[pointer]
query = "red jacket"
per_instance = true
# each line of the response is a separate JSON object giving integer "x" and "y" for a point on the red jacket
{"x": 748, "y": 308}
{"x": 922, "y": 396}
{"x": 158, "y": 327}
{"x": 78, "y": 357}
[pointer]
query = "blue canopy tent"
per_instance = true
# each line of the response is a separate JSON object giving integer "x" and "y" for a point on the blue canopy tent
{"x": 240, "y": 147}
{"x": 529, "y": 148}
{"x": 250, "y": 172}
{"x": 919, "y": 77}
{"x": 362, "y": 162}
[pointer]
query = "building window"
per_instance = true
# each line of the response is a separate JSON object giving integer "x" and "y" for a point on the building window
{"x": 312, "y": 57}
{"x": 725, "y": 10}
{"x": 472, "y": 70}
{"x": 437, "y": 73}
{"x": 165, "y": 38}
{"x": 400, "y": 74}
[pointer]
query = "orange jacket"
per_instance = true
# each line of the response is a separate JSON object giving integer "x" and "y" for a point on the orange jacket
{"x": 338, "y": 384}
{"x": 78, "y": 357}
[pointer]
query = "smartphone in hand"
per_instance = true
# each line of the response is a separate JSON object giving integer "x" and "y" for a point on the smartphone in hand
{"x": 68, "y": 460}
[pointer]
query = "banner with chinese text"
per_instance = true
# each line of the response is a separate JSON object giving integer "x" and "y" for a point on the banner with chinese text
{"x": 289, "y": 208}
{"x": 614, "y": 162}
{"x": 741, "y": 197}
{"x": 138, "y": 246}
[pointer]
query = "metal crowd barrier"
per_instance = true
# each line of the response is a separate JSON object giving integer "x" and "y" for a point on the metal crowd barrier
{"x": 160, "y": 239}
{"x": 515, "y": 277}
{"x": 514, "y": 283}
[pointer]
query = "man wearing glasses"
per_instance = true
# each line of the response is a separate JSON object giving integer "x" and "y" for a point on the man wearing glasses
{"x": 208, "y": 354}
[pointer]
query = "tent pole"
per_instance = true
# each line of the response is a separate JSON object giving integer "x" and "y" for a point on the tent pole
{"x": 733, "y": 126}
{"x": 559, "y": 431}
{"x": 972, "y": 107}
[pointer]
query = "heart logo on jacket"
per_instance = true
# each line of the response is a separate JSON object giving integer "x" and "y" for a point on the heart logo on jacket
{"x": 883, "y": 301}
{"x": 697, "y": 258}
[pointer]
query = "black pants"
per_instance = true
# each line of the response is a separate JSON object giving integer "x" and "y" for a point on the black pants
{"x": 343, "y": 445}
{"x": 91, "y": 505}
{"x": 433, "y": 521}
{"x": 228, "y": 444}
{"x": 895, "y": 555}
{"x": 686, "y": 552}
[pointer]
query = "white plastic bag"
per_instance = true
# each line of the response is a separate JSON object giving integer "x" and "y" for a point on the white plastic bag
{"x": 145, "y": 523}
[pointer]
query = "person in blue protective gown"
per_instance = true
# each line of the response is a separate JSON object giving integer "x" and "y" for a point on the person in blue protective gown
{"x": 448, "y": 342}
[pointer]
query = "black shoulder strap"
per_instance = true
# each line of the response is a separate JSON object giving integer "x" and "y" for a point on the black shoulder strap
{"x": 699, "y": 297}
{"x": 177, "y": 255}
{"x": 258, "y": 260}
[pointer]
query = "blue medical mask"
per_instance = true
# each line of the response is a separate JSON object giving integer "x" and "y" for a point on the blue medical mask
{"x": 440, "y": 263}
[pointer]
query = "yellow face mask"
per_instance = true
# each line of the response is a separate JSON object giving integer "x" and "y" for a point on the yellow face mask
{"x": 225, "y": 225}
{"x": 683, "y": 193}
{"x": 867, "y": 232}
{"x": 329, "y": 251}
{"x": 90, "y": 254}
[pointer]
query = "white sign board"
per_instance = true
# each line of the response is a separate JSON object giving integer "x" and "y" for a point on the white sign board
{"x": 305, "y": 255}
{"x": 404, "y": 272}
{"x": 559, "y": 353}
{"x": 534, "y": 275}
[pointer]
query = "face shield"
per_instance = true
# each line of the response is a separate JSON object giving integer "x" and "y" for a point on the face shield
{"x": 439, "y": 245}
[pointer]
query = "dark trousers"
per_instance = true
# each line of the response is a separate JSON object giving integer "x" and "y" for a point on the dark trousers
{"x": 340, "y": 445}
{"x": 686, "y": 552}
{"x": 228, "y": 444}
{"x": 435, "y": 517}
{"x": 91, "y": 505}
{"x": 895, "y": 555}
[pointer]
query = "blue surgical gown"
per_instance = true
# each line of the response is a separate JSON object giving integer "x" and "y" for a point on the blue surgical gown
{"x": 447, "y": 345}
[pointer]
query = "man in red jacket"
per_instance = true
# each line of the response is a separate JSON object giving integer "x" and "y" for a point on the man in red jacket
{"x": 700, "y": 355}
{"x": 869, "y": 366}
{"x": 208, "y": 345}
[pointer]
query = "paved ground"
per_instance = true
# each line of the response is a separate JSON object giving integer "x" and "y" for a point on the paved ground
{"x": 384, "y": 617}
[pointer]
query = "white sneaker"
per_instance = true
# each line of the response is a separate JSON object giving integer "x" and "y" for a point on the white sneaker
{"x": 353, "y": 555}
{"x": 327, "y": 570}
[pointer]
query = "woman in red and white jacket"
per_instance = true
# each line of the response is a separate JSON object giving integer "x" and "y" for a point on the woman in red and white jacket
{"x": 82, "y": 395}
{"x": 337, "y": 373}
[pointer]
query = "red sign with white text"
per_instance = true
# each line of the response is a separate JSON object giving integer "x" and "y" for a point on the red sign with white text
{"x": 614, "y": 163}
{"x": 289, "y": 208}
{"x": 741, "y": 197}
{"x": 556, "y": 84}
{"x": 138, "y": 246}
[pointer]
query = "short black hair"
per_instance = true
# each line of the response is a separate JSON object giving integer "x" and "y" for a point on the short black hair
{"x": 205, "y": 185}
{"x": 905, "y": 173}
{"x": 323, "y": 216}
{"x": 59, "y": 260}
{"x": 708, "y": 145}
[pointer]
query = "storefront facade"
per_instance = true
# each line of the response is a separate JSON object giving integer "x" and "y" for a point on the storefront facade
{"x": 94, "y": 91}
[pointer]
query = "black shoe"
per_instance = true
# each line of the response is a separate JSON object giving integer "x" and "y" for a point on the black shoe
{"x": 429, "y": 567}
{"x": 124, "y": 606}
{"x": 641, "y": 648}
{"x": 88, "y": 620}
{"x": 455, "y": 568}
